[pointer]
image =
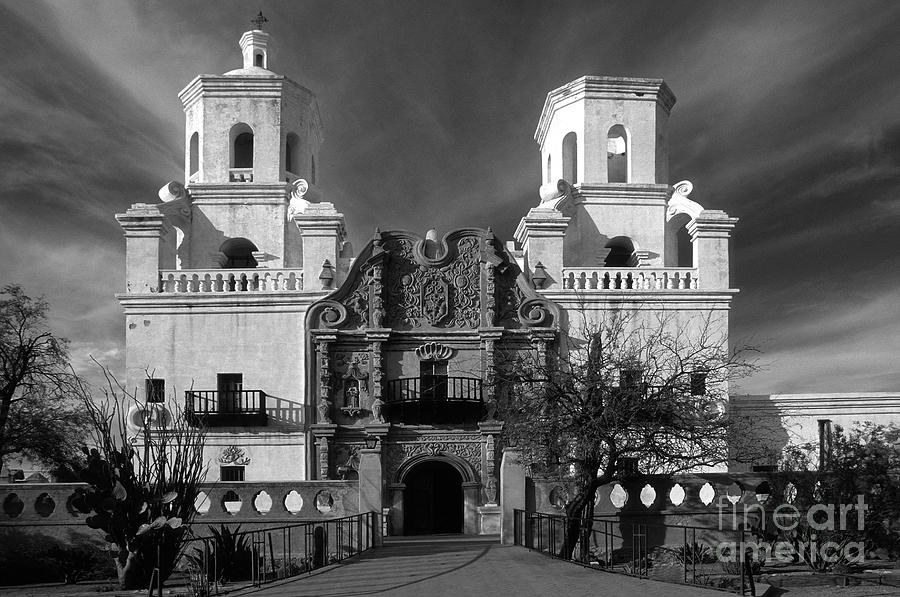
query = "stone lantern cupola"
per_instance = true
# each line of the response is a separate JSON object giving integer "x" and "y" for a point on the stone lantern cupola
{"x": 254, "y": 45}
{"x": 252, "y": 140}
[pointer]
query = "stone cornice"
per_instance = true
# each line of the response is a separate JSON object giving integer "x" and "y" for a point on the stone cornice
{"x": 711, "y": 223}
{"x": 598, "y": 87}
{"x": 541, "y": 222}
{"x": 142, "y": 219}
{"x": 621, "y": 194}
{"x": 239, "y": 193}
{"x": 241, "y": 86}
{"x": 666, "y": 300}
{"x": 256, "y": 302}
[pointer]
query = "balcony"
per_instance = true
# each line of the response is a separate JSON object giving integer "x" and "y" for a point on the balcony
{"x": 212, "y": 408}
{"x": 434, "y": 399}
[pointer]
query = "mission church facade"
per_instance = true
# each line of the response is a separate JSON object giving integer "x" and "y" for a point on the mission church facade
{"x": 243, "y": 294}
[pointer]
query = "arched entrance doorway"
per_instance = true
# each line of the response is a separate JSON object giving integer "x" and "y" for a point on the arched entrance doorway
{"x": 433, "y": 500}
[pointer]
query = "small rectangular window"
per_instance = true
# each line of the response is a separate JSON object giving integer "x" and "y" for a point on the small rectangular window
{"x": 698, "y": 383}
{"x": 629, "y": 378}
{"x": 231, "y": 473}
{"x": 155, "y": 390}
{"x": 628, "y": 465}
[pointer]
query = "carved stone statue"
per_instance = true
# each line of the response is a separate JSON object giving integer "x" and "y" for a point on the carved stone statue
{"x": 377, "y": 406}
{"x": 351, "y": 395}
{"x": 324, "y": 408}
{"x": 490, "y": 490}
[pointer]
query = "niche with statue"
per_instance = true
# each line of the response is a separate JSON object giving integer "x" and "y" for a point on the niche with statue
{"x": 355, "y": 390}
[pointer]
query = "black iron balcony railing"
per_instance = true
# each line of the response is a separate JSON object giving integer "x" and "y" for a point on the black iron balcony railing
{"x": 233, "y": 407}
{"x": 434, "y": 399}
{"x": 434, "y": 389}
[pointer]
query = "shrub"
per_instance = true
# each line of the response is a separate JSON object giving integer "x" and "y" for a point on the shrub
{"x": 230, "y": 555}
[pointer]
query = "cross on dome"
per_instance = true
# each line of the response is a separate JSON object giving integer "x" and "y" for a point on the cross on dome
{"x": 259, "y": 21}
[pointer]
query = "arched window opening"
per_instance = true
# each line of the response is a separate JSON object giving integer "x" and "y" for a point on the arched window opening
{"x": 685, "y": 247}
{"x": 238, "y": 253}
{"x": 570, "y": 158}
{"x": 241, "y": 146}
{"x": 291, "y": 153}
{"x": 679, "y": 248}
{"x": 312, "y": 169}
{"x": 194, "y": 153}
{"x": 259, "y": 60}
{"x": 548, "y": 169}
{"x": 617, "y": 154}
{"x": 243, "y": 150}
{"x": 621, "y": 253}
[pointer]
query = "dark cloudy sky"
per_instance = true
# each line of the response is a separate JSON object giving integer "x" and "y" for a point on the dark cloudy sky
{"x": 788, "y": 117}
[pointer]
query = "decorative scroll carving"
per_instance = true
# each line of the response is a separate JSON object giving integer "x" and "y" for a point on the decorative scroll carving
{"x": 680, "y": 204}
{"x": 432, "y": 351}
{"x": 234, "y": 455}
{"x": 358, "y": 302}
{"x": 323, "y": 457}
{"x": 377, "y": 372}
{"x": 490, "y": 298}
{"x": 435, "y": 298}
{"x": 490, "y": 379}
{"x": 464, "y": 446}
{"x": 469, "y": 281}
{"x": 439, "y": 296}
{"x": 324, "y": 404}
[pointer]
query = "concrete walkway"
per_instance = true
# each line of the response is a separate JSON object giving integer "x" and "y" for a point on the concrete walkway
{"x": 469, "y": 567}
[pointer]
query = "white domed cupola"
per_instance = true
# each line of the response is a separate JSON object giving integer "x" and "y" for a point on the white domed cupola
{"x": 254, "y": 44}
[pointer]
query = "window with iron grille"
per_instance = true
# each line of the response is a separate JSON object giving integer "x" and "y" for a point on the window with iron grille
{"x": 231, "y": 473}
{"x": 155, "y": 390}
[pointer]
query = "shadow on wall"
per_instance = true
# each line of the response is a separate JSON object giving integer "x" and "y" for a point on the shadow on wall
{"x": 759, "y": 437}
{"x": 285, "y": 414}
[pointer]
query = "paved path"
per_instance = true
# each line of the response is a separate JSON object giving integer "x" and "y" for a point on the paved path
{"x": 468, "y": 567}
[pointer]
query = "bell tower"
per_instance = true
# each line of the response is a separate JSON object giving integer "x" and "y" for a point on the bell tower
{"x": 605, "y": 140}
{"x": 249, "y": 134}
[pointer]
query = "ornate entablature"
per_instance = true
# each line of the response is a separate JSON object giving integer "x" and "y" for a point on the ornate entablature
{"x": 409, "y": 300}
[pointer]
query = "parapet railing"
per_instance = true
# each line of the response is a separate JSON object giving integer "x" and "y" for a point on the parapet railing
{"x": 703, "y": 556}
{"x": 280, "y": 552}
{"x": 630, "y": 278}
{"x": 219, "y": 281}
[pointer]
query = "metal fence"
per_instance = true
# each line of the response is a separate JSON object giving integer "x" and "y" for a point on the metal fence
{"x": 260, "y": 556}
{"x": 703, "y": 556}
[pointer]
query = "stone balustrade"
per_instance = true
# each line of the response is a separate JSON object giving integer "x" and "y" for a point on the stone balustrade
{"x": 249, "y": 502}
{"x": 630, "y": 278}
{"x": 196, "y": 281}
{"x": 700, "y": 496}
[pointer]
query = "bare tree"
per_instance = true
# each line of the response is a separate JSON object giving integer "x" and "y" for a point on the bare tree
{"x": 142, "y": 486}
{"x": 624, "y": 390}
{"x": 48, "y": 429}
{"x": 34, "y": 367}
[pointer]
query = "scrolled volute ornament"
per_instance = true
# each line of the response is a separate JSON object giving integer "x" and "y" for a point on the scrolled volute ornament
{"x": 331, "y": 314}
{"x": 172, "y": 191}
{"x": 536, "y": 312}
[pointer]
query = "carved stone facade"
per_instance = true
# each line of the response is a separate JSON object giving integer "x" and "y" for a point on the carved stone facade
{"x": 408, "y": 344}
